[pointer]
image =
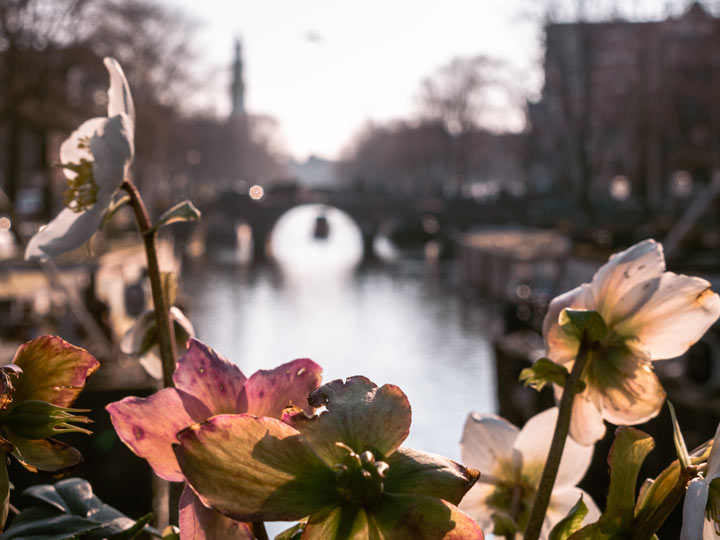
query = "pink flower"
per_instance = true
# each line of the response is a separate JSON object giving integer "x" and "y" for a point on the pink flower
{"x": 206, "y": 384}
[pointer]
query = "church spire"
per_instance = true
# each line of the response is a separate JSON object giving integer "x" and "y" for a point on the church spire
{"x": 238, "y": 86}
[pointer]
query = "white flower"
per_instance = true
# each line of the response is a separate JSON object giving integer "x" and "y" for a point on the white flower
{"x": 95, "y": 159}
{"x": 651, "y": 315}
{"x": 700, "y": 509}
{"x": 511, "y": 463}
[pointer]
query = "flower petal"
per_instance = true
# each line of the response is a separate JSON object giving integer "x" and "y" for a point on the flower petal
{"x": 148, "y": 427}
{"x": 254, "y": 468}
{"x": 624, "y": 270}
{"x": 694, "y": 510}
{"x": 360, "y": 415}
{"x": 342, "y": 521}
{"x": 198, "y": 522}
{"x": 400, "y": 517}
{"x": 666, "y": 324}
{"x": 53, "y": 370}
{"x": 561, "y": 346}
{"x": 476, "y": 506}
{"x": 413, "y": 472}
{"x": 74, "y": 149}
{"x": 486, "y": 440}
{"x": 44, "y": 454}
{"x": 560, "y": 504}
{"x": 625, "y": 387}
{"x": 268, "y": 392}
{"x": 112, "y": 148}
{"x": 586, "y": 422}
{"x": 119, "y": 96}
{"x": 534, "y": 441}
{"x": 208, "y": 383}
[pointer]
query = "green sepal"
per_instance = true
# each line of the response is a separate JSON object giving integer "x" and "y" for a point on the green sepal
{"x": 34, "y": 419}
{"x": 504, "y": 525}
{"x": 583, "y": 324}
{"x": 570, "y": 523}
{"x": 627, "y": 454}
{"x": 293, "y": 533}
{"x": 680, "y": 447}
{"x": 111, "y": 210}
{"x": 184, "y": 211}
{"x": 544, "y": 371}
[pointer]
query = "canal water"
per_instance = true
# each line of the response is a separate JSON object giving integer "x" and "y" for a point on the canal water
{"x": 403, "y": 323}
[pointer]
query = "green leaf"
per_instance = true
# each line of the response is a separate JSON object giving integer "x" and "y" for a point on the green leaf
{"x": 184, "y": 211}
{"x": 570, "y": 523}
{"x": 293, "y": 533}
{"x": 680, "y": 448}
{"x": 583, "y": 324}
{"x": 629, "y": 449}
{"x": 4, "y": 490}
{"x": 113, "y": 208}
{"x": 504, "y": 525}
{"x": 69, "y": 509}
{"x": 544, "y": 371}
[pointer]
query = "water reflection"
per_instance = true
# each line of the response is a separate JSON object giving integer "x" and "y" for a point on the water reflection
{"x": 393, "y": 325}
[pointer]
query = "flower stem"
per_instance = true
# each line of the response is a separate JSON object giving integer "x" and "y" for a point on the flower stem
{"x": 258, "y": 528}
{"x": 552, "y": 464}
{"x": 166, "y": 338}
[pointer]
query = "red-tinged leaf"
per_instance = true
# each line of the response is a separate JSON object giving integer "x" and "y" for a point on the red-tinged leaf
{"x": 359, "y": 415}
{"x": 254, "y": 468}
{"x": 207, "y": 382}
{"x": 53, "y": 370}
{"x": 199, "y": 522}
{"x": 413, "y": 472}
{"x": 269, "y": 392}
{"x": 43, "y": 455}
{"x": 149, "y": 425}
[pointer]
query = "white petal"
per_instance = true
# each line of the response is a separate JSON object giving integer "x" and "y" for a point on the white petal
{"x": 562, "y": 501}
{"x": 586, "y": 423}
{"x": 474, "y": 504}
{"x": 180, "y": 318}
{"x": 561, "y": 347}
{"x": 713, "y": 465}
{"x": 534, "y": 441}
{"x": 119, "y": 97}
{"x": 487, "y": 439}
{"x": 623, "y": 271}
{"x": 673, "y": 318}
{"x": 69, "y": 230}
{"x": 112, "y": 149}
{"x": 70, "y": 151}
{"x": 626, "y": 388}
{"x": 131, "y": 342}
{"x": 694, "y": 510}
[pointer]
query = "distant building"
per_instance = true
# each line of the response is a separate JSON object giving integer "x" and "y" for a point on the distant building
{"x": 237, "y": 90}
{"x": 629, "y": 110}
{"x": 315, "y": 173}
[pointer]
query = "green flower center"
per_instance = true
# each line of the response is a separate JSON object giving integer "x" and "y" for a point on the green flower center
{"x": 514, "y": 494}
{"x": 81, "y": 191}
{"x": 360, "y": 478}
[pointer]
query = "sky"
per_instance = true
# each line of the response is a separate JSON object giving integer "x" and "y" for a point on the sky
{"x": 325, "y": 68}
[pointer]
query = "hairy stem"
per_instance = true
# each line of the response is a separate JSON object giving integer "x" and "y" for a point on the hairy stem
{"x": 547, "y": 480}
{"x": 166, "y": 338}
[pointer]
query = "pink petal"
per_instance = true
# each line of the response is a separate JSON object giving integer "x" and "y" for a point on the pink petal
{"x": 148, "y": 427}
{"x": 198, "y": 522}
{"x": 207, "y": 382}
{"x": 268, "y": 392}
